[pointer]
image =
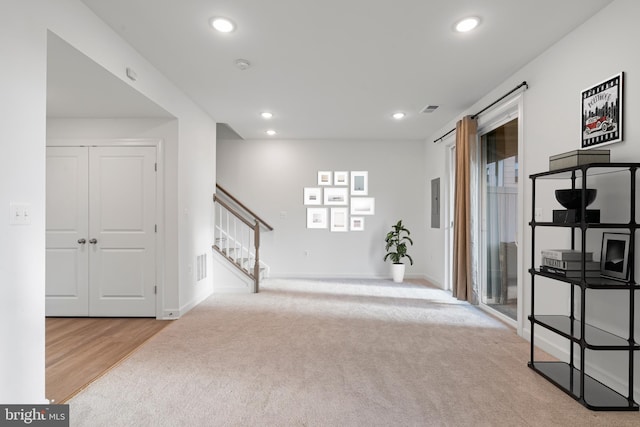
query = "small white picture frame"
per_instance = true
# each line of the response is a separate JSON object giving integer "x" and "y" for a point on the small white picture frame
{"x": 357, "y": 223}
{"x": 363, "y": 206}
{"x": 359, "y": 183}
{"x": 336, "y": 196}
{"x": 324, "y": 178}
{"x": 316, "y": 217}
{"x": 312, "y": 196}
{"x": 339, "y": 219}
{"x": 341, "y": 178}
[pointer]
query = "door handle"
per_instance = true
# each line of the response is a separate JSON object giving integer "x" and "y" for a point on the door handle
{"x": 93, "y": 241}
{"x": 82, "y": 241}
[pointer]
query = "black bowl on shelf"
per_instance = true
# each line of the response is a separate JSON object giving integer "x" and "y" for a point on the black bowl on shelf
{"x": 572, "y": 198}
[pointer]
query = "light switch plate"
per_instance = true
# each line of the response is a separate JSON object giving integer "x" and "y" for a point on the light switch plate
{"x": 19, "y": 213}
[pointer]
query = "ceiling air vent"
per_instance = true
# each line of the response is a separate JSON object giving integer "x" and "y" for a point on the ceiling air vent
{"x": 429, "y": 109}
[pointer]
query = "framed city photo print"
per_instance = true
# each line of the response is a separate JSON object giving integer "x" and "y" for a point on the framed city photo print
{"x": 359, "y": 183}
{"x": 336, "y": 196}
{"x": 614, "y": 257}
{"x": 324, "y": 178}
{"x": 316, "y": 217}
{"x": 341, "y": 178}
{"x": 312, "y": 196}
{"x": 602, "y": 113}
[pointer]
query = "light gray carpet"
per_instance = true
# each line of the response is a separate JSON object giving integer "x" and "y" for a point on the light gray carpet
{"x": 333, "y": 353}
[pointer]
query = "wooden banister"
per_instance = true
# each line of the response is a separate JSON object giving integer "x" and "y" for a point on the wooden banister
{"x": 246, "y": 209}
{"x": 233, "y": 211}
{"x": 230, "y": 214}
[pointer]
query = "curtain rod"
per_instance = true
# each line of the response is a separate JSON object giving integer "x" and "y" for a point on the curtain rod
{"x": 486, "y": 108}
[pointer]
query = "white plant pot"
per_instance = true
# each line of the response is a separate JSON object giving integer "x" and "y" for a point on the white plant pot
{"x": 397, "y": 271}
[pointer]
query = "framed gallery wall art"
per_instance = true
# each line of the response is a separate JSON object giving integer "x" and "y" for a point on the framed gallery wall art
{"x": 336, "y": 196}
{"x": 339, "y": 219}
{"x": 316, "y": 217}
{"x": 602, "y": 112}
{"x": 312, "y": 196}
{"x": 341, "y": 178}
{"x": 363, "y": 206}
{"x": 357, "y": 223}
{"x": 339, "y": 201}
{"x": 359, "y": 183}
{"x": 324, "y": 178}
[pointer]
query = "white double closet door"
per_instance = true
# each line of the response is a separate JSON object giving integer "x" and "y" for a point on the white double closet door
{"x": 101, "y": 225}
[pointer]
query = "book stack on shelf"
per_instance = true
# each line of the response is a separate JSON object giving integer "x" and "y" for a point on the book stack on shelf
{"x": 568, "y": 263}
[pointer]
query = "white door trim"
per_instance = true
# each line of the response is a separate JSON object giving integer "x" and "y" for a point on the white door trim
{"x": 160, "y": 207}
{"x": 509, "y": 110}
{"x": 450, "y": 145}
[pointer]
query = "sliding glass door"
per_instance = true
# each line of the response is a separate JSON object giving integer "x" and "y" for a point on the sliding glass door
{"x": 499, "y": 187}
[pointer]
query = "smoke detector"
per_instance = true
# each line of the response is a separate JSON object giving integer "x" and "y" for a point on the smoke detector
{"x": 242, "y": 64}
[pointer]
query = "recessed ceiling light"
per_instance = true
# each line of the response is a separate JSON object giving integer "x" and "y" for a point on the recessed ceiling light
{"x": 266, "y": 115}
{"x": 224, "y": 25}
{"x": 467, "y": 24}
{"x": 399, "y": 115}
{"x": 271, "y": 132}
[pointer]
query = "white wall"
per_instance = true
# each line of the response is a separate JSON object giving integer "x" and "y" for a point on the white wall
{"x": 269, "y": 177}
{"x": 599, "y": 49}
{"x": 22, "y": 132}
{"x": 23, "y": 38}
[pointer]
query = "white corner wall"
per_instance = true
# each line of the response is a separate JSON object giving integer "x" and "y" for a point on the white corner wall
{"x": 551, "y": 125}
{"x": 23, "y": 41}
{"x": 269, "y": 177}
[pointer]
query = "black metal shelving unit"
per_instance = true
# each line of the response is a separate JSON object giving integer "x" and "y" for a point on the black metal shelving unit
{"x": 571, "y": 377}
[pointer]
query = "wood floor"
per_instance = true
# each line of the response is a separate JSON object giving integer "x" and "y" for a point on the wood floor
{"x": 79, "y": 350}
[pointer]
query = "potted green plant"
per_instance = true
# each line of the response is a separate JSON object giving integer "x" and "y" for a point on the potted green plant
{"x": 396, "y": 248}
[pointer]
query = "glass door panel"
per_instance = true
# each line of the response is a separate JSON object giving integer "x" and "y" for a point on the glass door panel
{"x": 499, "y": 151}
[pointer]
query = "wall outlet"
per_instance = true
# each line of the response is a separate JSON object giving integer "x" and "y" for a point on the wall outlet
{"x": 307, "y": 253}
{"x": 538, "y": 214}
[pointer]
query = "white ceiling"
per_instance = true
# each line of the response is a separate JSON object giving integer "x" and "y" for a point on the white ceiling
{"x": 338, "y": 69}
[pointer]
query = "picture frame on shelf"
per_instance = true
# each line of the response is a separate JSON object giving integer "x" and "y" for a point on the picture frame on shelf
{"x": 312, "y": 196}
{"x": 359, "y": 183}
{"x": 363, "y": 206}
{"x": 602, "y": 112}
{"x": 336, "y": 196}
{"x": 614, "y": 257}
{"x": 324, "y": 178}
{"x": 341, "y": 178}
{"x": 357, "y": 223}
{"x": 339, "y": 219}
{"x": 316, "y": 217}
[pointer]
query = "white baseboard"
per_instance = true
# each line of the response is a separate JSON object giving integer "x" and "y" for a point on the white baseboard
{"x": 321, "y": 276}
{"x": 561, "y": 353}
{"x": 185, "y": 308}
{"x": 170, "y": 314}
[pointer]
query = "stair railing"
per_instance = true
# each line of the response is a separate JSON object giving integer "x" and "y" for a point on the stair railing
{"x": 237, "y": 235}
